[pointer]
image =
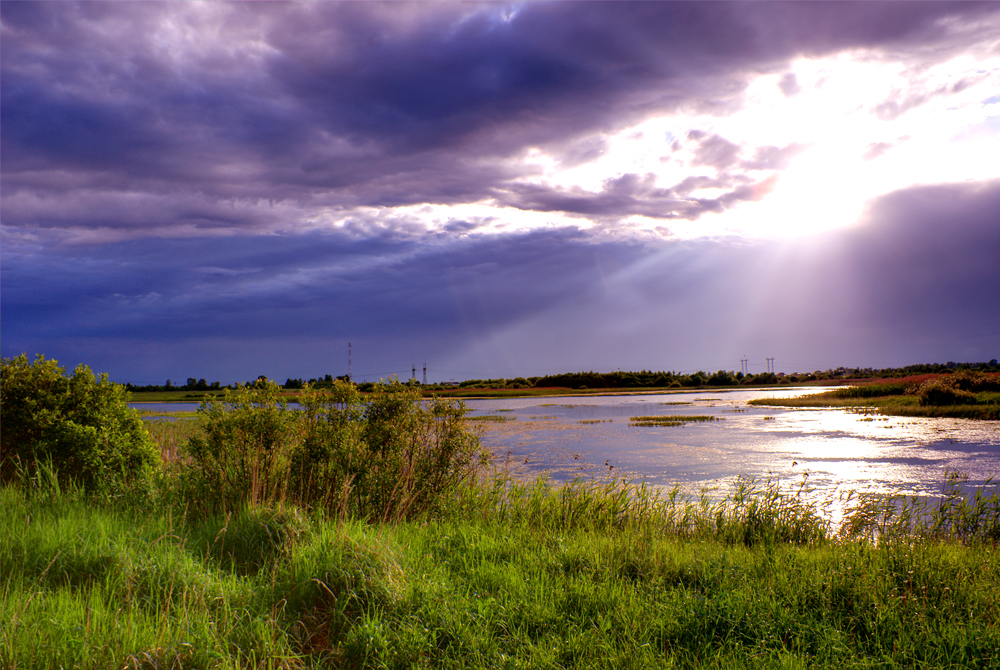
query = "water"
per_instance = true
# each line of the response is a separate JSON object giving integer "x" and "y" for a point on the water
{"x": 837, "y": 450}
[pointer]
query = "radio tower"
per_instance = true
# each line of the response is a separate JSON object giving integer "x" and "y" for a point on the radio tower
{"x": 425, "y": 374}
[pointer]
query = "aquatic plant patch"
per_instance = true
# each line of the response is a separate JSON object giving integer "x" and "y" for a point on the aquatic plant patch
{"x": 670, "y": 420}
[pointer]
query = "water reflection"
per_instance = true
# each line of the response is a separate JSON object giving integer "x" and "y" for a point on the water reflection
{"x": 837, "y": 449}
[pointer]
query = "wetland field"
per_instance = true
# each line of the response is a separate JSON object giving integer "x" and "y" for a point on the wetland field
{"x": 837, "y": 450}
{"x": 660, "y": 530}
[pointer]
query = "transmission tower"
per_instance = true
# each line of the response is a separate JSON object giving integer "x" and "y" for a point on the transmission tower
{"x": 425, "y": 374}
{"x": 414, "y": 377}
{"x": 348, "y": 361}
{"x": 770, "y": 364}
{"x": 743, "y": 364}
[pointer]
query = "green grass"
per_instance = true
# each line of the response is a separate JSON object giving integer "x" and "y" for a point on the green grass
{"x": 987, "y": 405}
{"x": 511, "y": 576}
{"x": 171, "y": 435}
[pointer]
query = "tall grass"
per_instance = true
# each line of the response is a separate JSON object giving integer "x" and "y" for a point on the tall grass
{"x": 511, "y": 575}
{"x": 171, "y": 435}
{"x": 360, "y": 535}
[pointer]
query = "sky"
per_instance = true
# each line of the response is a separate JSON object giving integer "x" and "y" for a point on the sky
{"x": 226, "y": 190}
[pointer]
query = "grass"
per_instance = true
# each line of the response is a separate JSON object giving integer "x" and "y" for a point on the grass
{"x": 497, "y": 573}
{"x": 513, "y": 575}
{"x": 171, "y": 434}
{"x": 987, "y": 405}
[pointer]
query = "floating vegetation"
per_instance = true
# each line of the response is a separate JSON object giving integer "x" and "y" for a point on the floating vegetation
{"x": 489, "y": 417}
{"x": 675, "y": 403}
{"x": 669, "y": 420}
{"x": 739, "y": 409}
{"x": 769, "y": 418}
{"x": 503, "y": 410}
{"x": 595, "y": 420}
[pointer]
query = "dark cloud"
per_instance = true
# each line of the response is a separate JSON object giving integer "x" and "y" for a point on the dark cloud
{"x": 633, "y": 194}
{"x": 931, "y": 253}
{"x": 347, "y": 104}
{"x": 916, "y": 282}
{"x": 198, "y": 185}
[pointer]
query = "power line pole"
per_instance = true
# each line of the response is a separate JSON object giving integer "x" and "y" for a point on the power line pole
{"x": 425, "y": 374}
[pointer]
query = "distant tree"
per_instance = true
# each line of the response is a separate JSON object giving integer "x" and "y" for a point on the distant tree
{"x": 722, "y": 378}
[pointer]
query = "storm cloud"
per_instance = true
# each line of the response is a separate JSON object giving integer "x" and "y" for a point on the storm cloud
{"x": 226, "y": 189}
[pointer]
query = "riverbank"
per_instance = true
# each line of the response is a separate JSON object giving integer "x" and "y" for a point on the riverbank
{"x": 960, "y": 396}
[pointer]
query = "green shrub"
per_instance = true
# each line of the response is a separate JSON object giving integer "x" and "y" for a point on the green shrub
{"x": 80, "y": 423}
{"x": 244, "y": 454}
{"x": 387, "y": 456}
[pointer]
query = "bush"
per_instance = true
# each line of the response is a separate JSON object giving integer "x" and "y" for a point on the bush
{"x": 245, "y": 453}
{"x": 941, "y": 392}
{"x": 80, "y": 423}
{"x": 388, "y": 456}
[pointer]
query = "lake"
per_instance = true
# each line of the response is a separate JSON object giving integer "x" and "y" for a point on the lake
{"x": 838, "y": 450}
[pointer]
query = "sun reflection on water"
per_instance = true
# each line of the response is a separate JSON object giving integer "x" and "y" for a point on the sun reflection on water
{"x": 835, "y": 451}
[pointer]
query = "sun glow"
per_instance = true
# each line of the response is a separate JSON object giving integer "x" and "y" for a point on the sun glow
{"x": 853, "y": 127}
{"x": 798, "y": 153}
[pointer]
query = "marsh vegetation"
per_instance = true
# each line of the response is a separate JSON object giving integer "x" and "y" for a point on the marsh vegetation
{"x": 969, "y": 395}
{"x": 369, "y": 533}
